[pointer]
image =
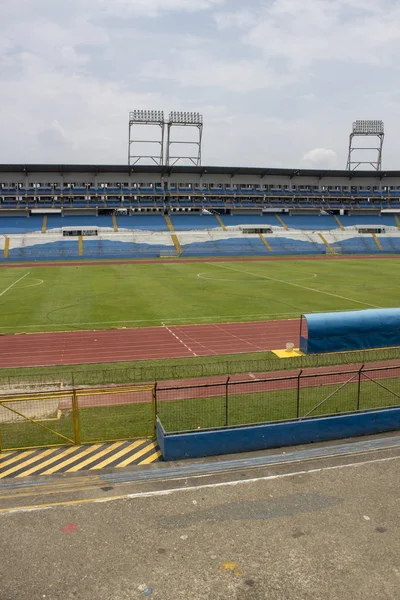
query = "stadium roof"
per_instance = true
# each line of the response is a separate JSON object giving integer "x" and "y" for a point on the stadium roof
{"x": 164, "y": 170}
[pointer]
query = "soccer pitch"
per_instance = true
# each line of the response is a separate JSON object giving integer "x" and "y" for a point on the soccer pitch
{"x": 105, "y": 296}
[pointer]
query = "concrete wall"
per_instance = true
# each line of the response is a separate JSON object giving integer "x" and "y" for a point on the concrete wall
{"x": 275, "y": 435}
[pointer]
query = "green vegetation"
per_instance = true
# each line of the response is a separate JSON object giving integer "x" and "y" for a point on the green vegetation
{"x": 136, "y": 295}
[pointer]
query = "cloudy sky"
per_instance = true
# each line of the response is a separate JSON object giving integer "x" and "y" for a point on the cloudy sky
{"x": 279, "y": 81}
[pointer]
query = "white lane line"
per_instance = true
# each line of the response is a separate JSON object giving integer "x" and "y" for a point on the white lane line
{"x": 295, "y": 285}
{"x": 15, "y": 282}
{"x": 193, "y": 488}
{"x": 179, "y": 339}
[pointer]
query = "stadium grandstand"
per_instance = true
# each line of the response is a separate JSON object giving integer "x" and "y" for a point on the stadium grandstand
{"x": 55, "y": 212}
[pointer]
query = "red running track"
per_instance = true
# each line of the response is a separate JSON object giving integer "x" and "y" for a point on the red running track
{"x": 144, "y": 343}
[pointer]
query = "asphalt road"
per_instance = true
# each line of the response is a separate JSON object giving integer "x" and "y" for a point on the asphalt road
{"x": 305, "y": 528}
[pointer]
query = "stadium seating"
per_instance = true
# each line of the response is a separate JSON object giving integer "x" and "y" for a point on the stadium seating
{"x": 370, "y": 220}
{"x": 193, "y": 221}
{"x": 149, "y": 222}
{"x": 10, "y": 225}
{"x": 246, "y": 219}
{"x": 310, "y": 222}
{"x": 57, "y": 222}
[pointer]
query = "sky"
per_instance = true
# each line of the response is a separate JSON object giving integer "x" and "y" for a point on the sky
{"x": 279, "y": 82}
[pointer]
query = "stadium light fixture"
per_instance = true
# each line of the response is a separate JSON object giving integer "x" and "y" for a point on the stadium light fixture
{"x": 185, "y": 118}
{"x": 154, "y": 118}
{"x": 368, "y": 127}
{"x": 372, "y": 128}
{"x": 146, "y": 116}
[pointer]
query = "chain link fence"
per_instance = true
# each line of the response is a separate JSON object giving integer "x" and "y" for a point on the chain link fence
{"x": 254, "y": 401}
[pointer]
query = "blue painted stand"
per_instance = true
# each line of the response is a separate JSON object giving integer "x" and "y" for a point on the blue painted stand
{"x": 198, "y": 444}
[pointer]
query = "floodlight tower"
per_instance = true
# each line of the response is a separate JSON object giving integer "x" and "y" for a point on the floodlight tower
{"x": 362, "y": 128}
{"x": 154, "y": 118}
{"x": 185, "y": 119}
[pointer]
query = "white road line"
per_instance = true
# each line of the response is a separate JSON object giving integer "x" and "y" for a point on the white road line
{"x": 295, "y": 285}
{"x": 179, "y": 339}
{"x": 15, "y": 282}
{"x": 192, "y": 488}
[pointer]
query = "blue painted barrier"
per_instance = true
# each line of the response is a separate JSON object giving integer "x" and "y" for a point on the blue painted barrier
{"x": 198, "y": 444}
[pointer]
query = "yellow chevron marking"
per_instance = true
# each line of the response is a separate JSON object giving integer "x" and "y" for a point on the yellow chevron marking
{"x": 150, "y": 459}
{"x": 137, "y": 455}
{"x": 6, "y": 247}
{"x": 264, "y": 241}
{"x": 44, "y": 224}
{"x": 115, "y": 224}
{"x": 23, "y": 465}
{"x": 338, "y": 222}
{"x": 72, "y": 459}
{"x": 80, "y": 246}
{"x": 220, "y": 221}
{"x": 177, "y": 245}
{"x": 331, "y": 250}
{"x": 16, "y": 457}
{"x": 377, "y": 242}
{"x": 281, "y": 222}
{"x": 47, "y": 462}
{"x": 169, "y": 222}
{"x": 397, "y": 221}
{"x": 116, "y": 456}
{"x": 94, "y": 457}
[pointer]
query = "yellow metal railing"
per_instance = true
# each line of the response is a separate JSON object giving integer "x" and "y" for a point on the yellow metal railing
{"x": 331, "y": 250}
{"x": 338, "y": 222}
{"x": 44, "y": 224}
{"x": 6, "y": 247}
{"x": 80, "y": 246}
{"x": 282, "y": 222}
{"x": 115, "y": 224}
{"x": 220, "y": 221}
{"x": 77, "y": 416}
{"x": 177, "y": 244}
{"x": 264, "y": 241}
{"x": 377, "y": 242}
{"x": 169, "y": 222}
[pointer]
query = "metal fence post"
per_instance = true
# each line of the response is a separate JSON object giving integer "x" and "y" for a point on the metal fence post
{"x": 155, "y": 408}
{"x": 75, "y": 419}
{"x": 298, "y": 395}
{"x": 227, "y": 402}
{"x": 359, "y": 387}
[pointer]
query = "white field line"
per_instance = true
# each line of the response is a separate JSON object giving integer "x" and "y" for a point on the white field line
{"x": 188, "y": 320}
{"x": 15, "y": 282}
{"x": 192, "y": 488}
{"x": 161, "y": 321}
{"x": 179, "y": 339}
{"x": 295, "y": 285}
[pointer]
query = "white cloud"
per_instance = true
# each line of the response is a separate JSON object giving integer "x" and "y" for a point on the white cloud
{"x": 321, "y": 157}
{"x": 274, "y": 79}
{"x": 151, "y": 8}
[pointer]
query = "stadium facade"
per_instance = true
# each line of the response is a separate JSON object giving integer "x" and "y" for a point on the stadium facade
{"x": 54, "y": 212}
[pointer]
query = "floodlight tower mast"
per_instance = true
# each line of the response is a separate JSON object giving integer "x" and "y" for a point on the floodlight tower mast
{"x": 153, "y": 118}
{"x": 362, "y": 128}
{"x": 185, "y": 119}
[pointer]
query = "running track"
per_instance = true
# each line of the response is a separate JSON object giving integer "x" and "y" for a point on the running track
{"x": 144, "y": 343}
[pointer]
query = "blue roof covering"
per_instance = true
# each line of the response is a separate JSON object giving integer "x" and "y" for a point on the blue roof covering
{"x": 351, "y": 330}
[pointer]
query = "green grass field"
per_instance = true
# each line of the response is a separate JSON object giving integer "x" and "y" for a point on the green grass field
{"x": 59, "y": 298}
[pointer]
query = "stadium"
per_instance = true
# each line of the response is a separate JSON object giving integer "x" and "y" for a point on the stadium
{"x": 182, "y": 297}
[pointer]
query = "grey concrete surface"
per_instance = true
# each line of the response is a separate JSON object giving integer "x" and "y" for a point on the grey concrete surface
{"x": 312, "y": 530}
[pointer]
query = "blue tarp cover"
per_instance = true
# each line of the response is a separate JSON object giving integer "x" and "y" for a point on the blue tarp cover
{"x": 352, "y": 330}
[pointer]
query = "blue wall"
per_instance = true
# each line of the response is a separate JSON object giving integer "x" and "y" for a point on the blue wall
{"x": 275, "y": 435}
